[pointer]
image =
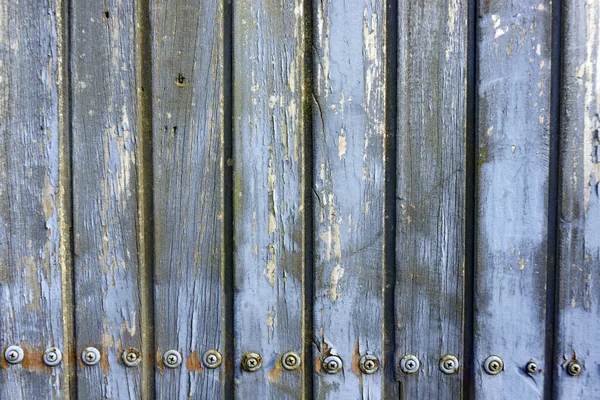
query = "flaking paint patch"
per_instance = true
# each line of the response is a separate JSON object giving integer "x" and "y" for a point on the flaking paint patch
{"x": 335, "y": 291}
{"x": 341, "y": 146}
{"x": 271, "y": 267}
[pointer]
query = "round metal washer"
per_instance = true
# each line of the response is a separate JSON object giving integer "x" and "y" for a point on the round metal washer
{"x": 531, "y": 367}
{"x": 574, "y": 368}
{"x": 449, "y": 364}
{"x": 410, "y": 364}
{"x": 131, "y": 357}
{"x": 332, "y": 364}
{"x": 90, "y": 356}
{"x": 251, "y": 361}
{"x": 172, "y": 358}
{"x": 291, "y": 361}
{"x": 14, "y": 354}
{"x": 212, "y": 359}
{"x": 369, "y": 364}
{"x": 52, "y": 356}
{"x": 493, "y": 365}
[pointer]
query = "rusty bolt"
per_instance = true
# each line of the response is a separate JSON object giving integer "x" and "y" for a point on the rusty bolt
{"x": 369, "y": 364}
{"x": 212, "y": 359}
{"x": 251, "y": 361}
{"x": 531, "y": 367}
{"x": 410, "y": 364}
{"x": 493, "y": 365}
{"x": 90, "y": 356}
{"x": 52, "y": 356}
{"x": 131, "y": 357}
{"x": 172, "y": 358}
{"x": 291, "y": 361}
{"x": 449, "y": 364}
{"x": 14, "y": 354}
{"x": 332, "y": 364}
{"x": 574, "y": 368}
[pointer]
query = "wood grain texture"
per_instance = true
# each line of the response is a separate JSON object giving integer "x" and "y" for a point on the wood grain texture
{"x": 578, "y": 302}
{"x": 187, "y": 53}
{"x": 431, "y": 170}
{"x": 269, "y": 96}
{"x": 30, "y": 234}
{"x": 513, "y": 116}
{"x": 105, "y": 200}
{"x": 348, "y": 129}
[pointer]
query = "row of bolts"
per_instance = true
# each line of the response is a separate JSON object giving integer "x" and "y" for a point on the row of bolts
{"x": 251, "y": 361}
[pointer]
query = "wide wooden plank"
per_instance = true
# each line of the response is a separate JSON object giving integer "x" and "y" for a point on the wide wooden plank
{"x": 348, "y": 130}
{"x": 513, "y": 117}
{"x": 31, "y": 223}
{"x": 105, "y": 200}
{"x": 430, "y": 194}
{"x": 578, "y": 300}
{"x": 188, "y": 101}
{"x": 269, "y": 95}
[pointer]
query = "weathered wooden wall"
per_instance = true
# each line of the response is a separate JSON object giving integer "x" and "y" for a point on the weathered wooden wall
{"x": 409, "y": 184}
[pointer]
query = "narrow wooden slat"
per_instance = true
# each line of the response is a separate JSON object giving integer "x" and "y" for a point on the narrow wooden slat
{"x": 349, "y": 126}
{"x": 578, "y": 301}
{"x": 513, "y": 116}
{"x": 104, "y": 114}
{"x": 187, "y": 53}
{"x": 269, "y": 50}
{"x": 30, "y": 235}
{"x": 431, "y": 170}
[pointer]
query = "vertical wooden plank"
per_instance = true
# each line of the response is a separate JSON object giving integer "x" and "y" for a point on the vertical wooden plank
{"x": 104, "y": 115}
{"x": 188, "y": 51}
{"x": 30, "y": 222}
{"x": 431, "y": 170}
{"x": 579, "y": 213}
{"x": 513, "y": 107}
{"x": 269, "y": 50}
{"x": 349, "y": 127}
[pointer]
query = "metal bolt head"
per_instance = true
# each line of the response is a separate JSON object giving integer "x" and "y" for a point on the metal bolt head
{"x": 531, "y": 367}
{"x": 14, "y": 354}
{"x": 493, "y": 365}
{"x": 291, "y": 361}
{"x": 212, "y": 359}
{"x": 410, "y": 364}
{"x": 574, "y": 368}
{"x": 369, "y": 364}
{"x": 90, "y": 356}
{"x": 332, "y": 364}
{"x": 251, "y": 361}
{"x": 449, "y": 364}
{"x": 131, "y": 357}
{"x": 172, "y": 358}
{"x": 52, "y": 356}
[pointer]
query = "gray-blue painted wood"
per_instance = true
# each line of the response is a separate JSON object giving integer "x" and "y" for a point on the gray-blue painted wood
{"x": 269, "y": 212}
{"x": 32, "y": 230}
{"x": 188, "y": 154}
{"x": 431, "y": 171}
{"x": 105, "y": 200}
{"x": 348, "y": 132}
{"x": 513, "y": 117}
{"x": 578, "y": 302}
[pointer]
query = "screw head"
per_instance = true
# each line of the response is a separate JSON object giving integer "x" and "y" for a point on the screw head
{"x": 493, "y": 365}
{"x": 449, "y": 364}
{"x": 291, "y": 361}
{"x": 212, "y": 359}
{"x": 369, "y": 364}
{"x": 332, "y": 364}
{"x": 531, "y": 367}
{"x": 574, "y": 368}
{"x": 14, "y": 354}
{"x": 52, "y": 356}
{"x": 410, "y": 364}
{"x": 90, "y": 356}
{"x": 251, "y": 361}
{"x": 172, "y": 358}
{"x": 131, "y": 357}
